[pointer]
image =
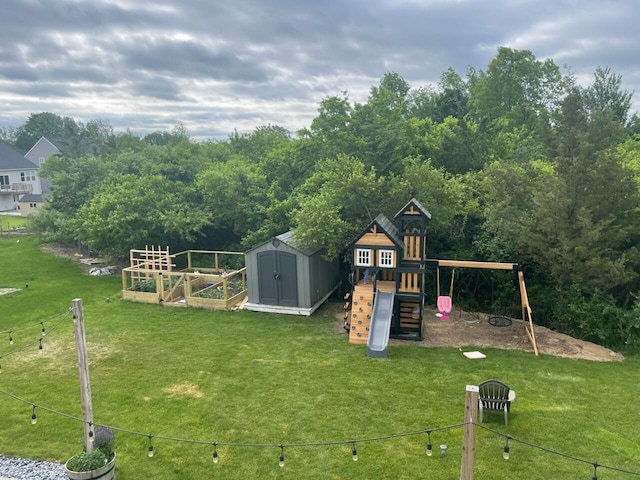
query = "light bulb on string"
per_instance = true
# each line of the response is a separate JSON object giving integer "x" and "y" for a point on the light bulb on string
{"x": 10, "y": 339}
{"x": 34, "y": 417}
{"x": 429, "y": 446}
{"x": 40, "y": 347}
{"x": 150, "y": 449}
{"x": 354, "y": 452}
{"x": 505, "y": 452}
{"x": 281, "y": 459}
{"x": 215, "y": 452}
{"x": 595, "y": 471}
{"x": 43, "y": 330}
{"x": 91, "y": 432}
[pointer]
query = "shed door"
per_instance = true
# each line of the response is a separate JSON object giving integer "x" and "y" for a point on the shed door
{"x": 277, "y": 278}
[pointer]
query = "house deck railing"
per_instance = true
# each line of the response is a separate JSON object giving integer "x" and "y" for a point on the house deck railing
{"x": 19, "y": 188}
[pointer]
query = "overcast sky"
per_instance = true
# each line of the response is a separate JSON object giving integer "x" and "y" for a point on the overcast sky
{"x": 218, "y": 66}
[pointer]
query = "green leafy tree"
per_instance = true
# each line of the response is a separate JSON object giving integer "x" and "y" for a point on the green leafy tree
{"x": 8, "y": 135}
{"x": 256, "y": 145}
{"x": 605, "y": 94}
{"x": 380, "y": 127}
{"x": 331, "y": 131}
{"x": 234, "y": 194}
{"x": 453, "y": 144}
{"x": 337, "y": 201}
{"x": 178, "y": 134}
{"x": 515, "y": 86}
{"x": 156, "y": 211}
{"x": 45, "y": 124}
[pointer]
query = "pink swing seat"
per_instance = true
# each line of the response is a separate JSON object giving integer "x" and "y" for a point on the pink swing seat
{"x": 444, "y": 306}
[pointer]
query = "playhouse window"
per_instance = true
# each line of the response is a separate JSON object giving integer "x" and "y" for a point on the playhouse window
{"x": 385, "y": 258}
{"x": 363, "y": 257}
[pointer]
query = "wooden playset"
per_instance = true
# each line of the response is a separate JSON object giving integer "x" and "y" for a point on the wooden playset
{"x": 391, "y": 259}
{"x": 203, "y": 280}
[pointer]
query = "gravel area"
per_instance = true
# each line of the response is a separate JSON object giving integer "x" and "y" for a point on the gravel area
{"x": 24, "y": 469}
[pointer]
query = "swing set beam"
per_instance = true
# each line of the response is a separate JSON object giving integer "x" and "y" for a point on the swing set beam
{"x": 524, "y": 297}
{"x": 471, "y": 264}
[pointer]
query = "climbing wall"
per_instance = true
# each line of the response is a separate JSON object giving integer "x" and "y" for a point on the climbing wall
{"x": 361, "y": 308}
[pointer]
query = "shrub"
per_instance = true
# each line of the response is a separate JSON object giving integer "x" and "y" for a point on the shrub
{"x": 104, "y": 440}
{"x": 598, "y": 319}
{"x": 144, "y": 285}
{"x": 87, "y": 461}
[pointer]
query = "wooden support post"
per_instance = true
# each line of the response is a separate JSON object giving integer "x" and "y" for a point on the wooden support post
{"x": 83, "y": 372}
{"x": 469, "y": 438}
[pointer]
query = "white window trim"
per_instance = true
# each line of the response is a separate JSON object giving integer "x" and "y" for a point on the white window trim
{"x": 385, "y": 258}
{"x": 361, "y": 253}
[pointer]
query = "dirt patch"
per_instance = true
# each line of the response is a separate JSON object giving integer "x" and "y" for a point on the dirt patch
{"x": 464, "y": 329}
{"x": 183, "y": 390}
{"x": 78, "y": 257}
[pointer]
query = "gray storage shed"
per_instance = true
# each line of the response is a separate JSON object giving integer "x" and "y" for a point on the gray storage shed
{"x": 283, "y": 278}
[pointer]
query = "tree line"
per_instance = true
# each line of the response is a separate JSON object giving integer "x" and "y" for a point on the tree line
{"x": 516, "y": 163}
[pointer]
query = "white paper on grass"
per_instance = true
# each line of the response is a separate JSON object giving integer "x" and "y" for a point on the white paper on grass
{"x": 474, "y": 355}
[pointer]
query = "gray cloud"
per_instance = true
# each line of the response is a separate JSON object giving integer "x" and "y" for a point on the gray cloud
{"x": 220, "y": 66}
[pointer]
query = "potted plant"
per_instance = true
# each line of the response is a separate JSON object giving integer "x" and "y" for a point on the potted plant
{"x": 97, "y": 464}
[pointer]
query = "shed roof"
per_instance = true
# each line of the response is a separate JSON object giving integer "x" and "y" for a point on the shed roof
{"x": 289, "y": 239}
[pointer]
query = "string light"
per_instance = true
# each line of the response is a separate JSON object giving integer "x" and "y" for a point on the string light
{"x": 91, "y": 432}
{"x": 443, "y": 450}
{"x": 43, "y": 331}
{"x": 326, "y": 443}
{"x": 38, "y": 322}
{"x": 215, "y": 452}
{"x": 505, "y": 453}
{"x": 354, "y": 452}
{"x": 150, "y": 449}
{"x": 429, "y": 446}
{"x": 61, "y": 318}
{"x": 34, "y": 417}
{"x": 281, "y": 459}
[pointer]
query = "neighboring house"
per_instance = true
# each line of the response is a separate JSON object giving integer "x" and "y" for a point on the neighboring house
{"x": 18, "y": 176}
{"x": 43, "y": 149}
{"x": 29, "y": 204}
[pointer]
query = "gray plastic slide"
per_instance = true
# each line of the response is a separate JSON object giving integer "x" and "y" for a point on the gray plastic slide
{"x": 380, "y": 325}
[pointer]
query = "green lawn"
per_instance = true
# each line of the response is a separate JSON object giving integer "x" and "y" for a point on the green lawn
{"x": 244, "y": 377}
{"x": 10, "y": 221}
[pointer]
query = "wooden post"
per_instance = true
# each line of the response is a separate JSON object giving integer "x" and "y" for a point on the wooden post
{"x": 83, "y": 372}
{"x": 469, "y": 438}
